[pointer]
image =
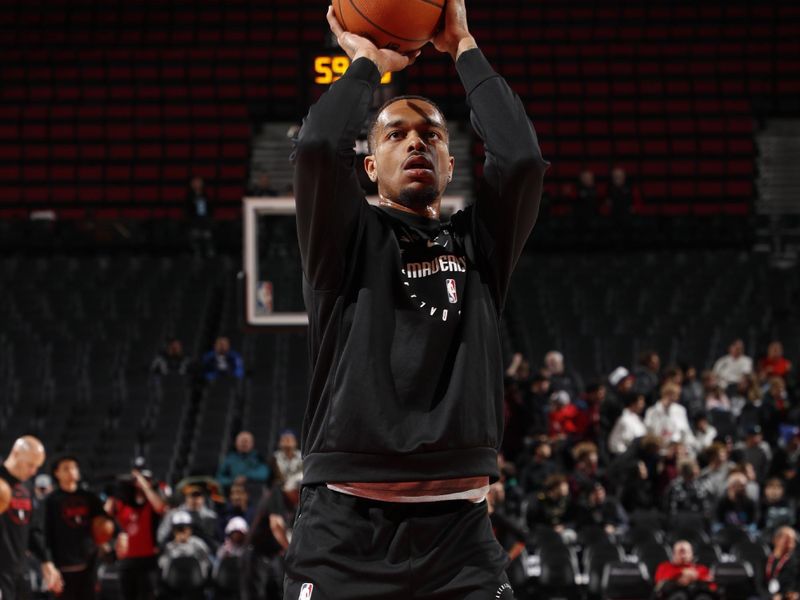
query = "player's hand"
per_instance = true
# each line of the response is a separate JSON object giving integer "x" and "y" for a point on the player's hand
{"x": 52, "y": 578}
{"x": 356, "y": 46}
{"x": 455, "y": 38}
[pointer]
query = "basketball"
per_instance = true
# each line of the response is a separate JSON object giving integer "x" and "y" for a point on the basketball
{"x": 102, "y": 529}
{"x": 5, "y": 495}
{"x": 400, "y": 25}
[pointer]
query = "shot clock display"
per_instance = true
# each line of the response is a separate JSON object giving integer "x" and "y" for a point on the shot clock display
{"x": 329, "y": 67}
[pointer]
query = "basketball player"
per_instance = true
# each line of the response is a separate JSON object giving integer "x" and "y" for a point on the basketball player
{"x": 406, "y": 407}
{"x": 20, "y": 529}
{"x": 69, "y": 511}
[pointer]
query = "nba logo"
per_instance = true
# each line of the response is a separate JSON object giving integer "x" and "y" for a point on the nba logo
{"x": 452, "y": 294}
{"x": 305, "y": 591}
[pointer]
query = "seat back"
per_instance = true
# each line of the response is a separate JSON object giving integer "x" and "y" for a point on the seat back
{"x": 626, "y": 581}
{"x": 184, "y": 573}
{"x": 735, "y": 580}
{"x": 227, "y": 576}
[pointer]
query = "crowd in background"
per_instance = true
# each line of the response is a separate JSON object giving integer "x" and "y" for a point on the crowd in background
{"x": 220, "y": 537}
{"x": 652, "y": 443}
{"x": 646, "y": 443}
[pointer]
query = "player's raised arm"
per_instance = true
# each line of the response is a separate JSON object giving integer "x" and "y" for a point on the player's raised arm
{"x": 514, "y": 167}
{"x": 327, "y": 191}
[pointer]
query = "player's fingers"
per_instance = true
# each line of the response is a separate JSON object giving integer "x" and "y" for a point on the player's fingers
{"x": 412, "y": 58}
{"x": 333, "y": 22}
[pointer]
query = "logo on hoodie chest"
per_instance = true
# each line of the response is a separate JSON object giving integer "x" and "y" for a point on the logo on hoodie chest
{"x": 433, "y": 274}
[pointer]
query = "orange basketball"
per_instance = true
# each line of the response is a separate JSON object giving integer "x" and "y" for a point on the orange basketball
{"x": 102, "y": 529}
{"x": 401, "y": 25}
{"x": 5, "y": 495}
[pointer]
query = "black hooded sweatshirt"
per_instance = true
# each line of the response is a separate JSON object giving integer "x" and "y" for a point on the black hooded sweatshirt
{"x": 407, "y": 374}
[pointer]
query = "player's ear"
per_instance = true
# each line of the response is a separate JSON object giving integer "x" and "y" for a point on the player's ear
{"x": 370, "y": 168}
{"x": 450, "y": 168}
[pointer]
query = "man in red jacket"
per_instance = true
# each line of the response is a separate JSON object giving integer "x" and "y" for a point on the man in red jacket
{"x": 682, "y": 577}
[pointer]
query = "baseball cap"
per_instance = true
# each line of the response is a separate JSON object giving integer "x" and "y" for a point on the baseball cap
{"x": 617, "y": 375}
{"x": 43, "y": 481}
{"x": 181, "y": 517}
{"x": 236, "y": 524}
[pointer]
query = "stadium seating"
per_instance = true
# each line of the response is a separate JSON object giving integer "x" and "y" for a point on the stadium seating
{"x": 107, "y": 107}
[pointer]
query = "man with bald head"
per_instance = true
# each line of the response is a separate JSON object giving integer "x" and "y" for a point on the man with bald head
{"x": 20, "y": 529}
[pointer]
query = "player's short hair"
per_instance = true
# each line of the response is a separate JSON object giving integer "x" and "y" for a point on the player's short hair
{"x": 373, "y": 123}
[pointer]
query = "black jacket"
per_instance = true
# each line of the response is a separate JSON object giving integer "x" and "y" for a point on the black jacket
{"x": 407, "y": 376}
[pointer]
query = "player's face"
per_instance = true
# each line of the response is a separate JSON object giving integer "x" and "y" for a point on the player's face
{"x": 67, "y": 473}
{"x": 28, "y": 463}
{"x": 411, "y": 161}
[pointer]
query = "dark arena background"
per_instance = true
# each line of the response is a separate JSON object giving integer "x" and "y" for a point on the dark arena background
{"x": 150, "y": 283}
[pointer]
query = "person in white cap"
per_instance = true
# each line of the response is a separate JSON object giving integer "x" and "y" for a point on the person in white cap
{"x": 235, "y": 538}
{"x": 184, "y": 543}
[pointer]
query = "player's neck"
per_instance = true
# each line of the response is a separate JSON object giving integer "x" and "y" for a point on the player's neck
{"x": 429, "y": 211}
{"x": 72, "y": 487}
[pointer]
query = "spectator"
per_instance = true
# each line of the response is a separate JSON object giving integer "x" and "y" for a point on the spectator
{"x": 667, "y": 418}
{"x": 198, "y": 214}
{"x": 585, "y": 470}
{"x": 692, "y": 396}
{"x": 554, "y": 371}
{"x": 776, "y": 510}
{"x": 238, "y": 506}
{"x": 261, "y": 187}
{"x": 620, "y": 197}
{"x": 42, "y": 486}
{"x": 629, "y": 426}
{"x": 183, "y": 544}
{"x": 540, "y": 468}
{"x": 171, "y": 360}
{"x": 262, "y": 563}
{"x": 773, "y": 364}
{"x": 686, "y": 493}
{"x": 602, "y": 511}
{"x": 682, "y": 578}
{"x": 786, "y": 464}
{"x": 714, "y": 476}
{"x": 704, "y": 433}
{"x": 735, "y": 508}
{"x": 717, "y": 399}
{"x": 137, "y": 508}
{"x": 222, "y": 361}
{"x": 781, "y": 571}
{"x": 593, "y": 399}
{"x": 553, "y": 507}
{"x": 646, "y": 374}
{"x": 747, "y": 392}
{"x": 288, "y": 462}
{"x": 567, "y": 421}
{"x": 755, "y": 451}
{"x": 69, "y": 521}
{"x": 235, "y": 542}
{"x": 586, "y": 201}
{"x": 639, "y": 480}
{"x": 538, "y": 402}
{"x": 730, "y": 368}
{"x": 510, "y": 534}
{"x": 520, "y": 369}
{"x": 203, "y": 519}
{"x": 774, "y": 409}
{"x": 243, "y": 463}
{"x": 617, "y": 397}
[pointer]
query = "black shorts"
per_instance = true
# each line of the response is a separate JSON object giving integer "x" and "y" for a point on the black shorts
{"x": 348, "y": 548}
